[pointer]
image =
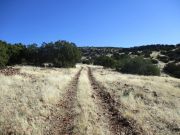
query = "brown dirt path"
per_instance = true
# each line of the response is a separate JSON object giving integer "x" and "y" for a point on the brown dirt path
{"x": 63, "y": 124}
{"x": 118, "y": 125}
{"x": 90, "y": 120}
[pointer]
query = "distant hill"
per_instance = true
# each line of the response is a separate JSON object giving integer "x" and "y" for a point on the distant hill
{"x": 164, "y": 53}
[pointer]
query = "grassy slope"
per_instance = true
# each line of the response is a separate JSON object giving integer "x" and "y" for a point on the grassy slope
{"x": 154, "y": 102}
{"x": 26, "y": 102}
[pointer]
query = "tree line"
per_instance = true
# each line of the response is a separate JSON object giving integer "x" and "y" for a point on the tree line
{"x": 60, "y": 54}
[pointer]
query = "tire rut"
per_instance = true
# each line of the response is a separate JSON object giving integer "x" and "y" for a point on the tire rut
{"x": 118, "y": 125}
{"x": 63, "y": 124}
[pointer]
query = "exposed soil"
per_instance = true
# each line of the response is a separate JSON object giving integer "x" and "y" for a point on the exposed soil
{"x": 9, "y": 71}
{"x": 118, "y": 125}
{"x": 63, "y": 124}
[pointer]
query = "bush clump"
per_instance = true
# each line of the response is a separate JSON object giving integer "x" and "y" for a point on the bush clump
{"x": 154, "y": 61}
{"x": 121, "y": 60}
{"x": 105, "y": 61}
{"x": 86, "y": 61}
{"x": 66, "y": 54}
{"x": 172, "y": 69}
{"x": 164, "y": 59}
{"x": 125, "y": 64}
{"x": 140, "y": 66}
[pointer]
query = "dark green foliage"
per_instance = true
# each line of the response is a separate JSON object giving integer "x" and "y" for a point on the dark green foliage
{"x": 126, "y": 64}
{"x": 46, "y": 53}
{"x": 120, "y": 56}
{"x": 65, "y": 54}
{"x": 32, "y": 55}
{"x": 3, "y": 54}
{"x": 86, "y": 61}
{"x": 154, "y": 61}
{"x": 164, "y": 59}
{"x": 60, "y": 54}
{"x": 140, "y": 66}
{"x": 174, "y": 55}
{"x": 105, "y": 61}
{"x": 16, "y": 53}
{"x": 146, "y": 53}
{"x": 120, "y": 60}
{"x": 173, "y": 69}
{"x": 150, "y": 48}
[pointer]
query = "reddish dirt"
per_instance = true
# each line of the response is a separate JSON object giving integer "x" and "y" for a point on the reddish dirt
{"x": 64, "y": 124}
{"x": 9, "y": 71}
{"x": 118, "y": 125}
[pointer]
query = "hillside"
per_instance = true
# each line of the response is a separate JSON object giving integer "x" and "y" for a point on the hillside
{"x": 166, "y": 57}
{"x": 170, "y": 52}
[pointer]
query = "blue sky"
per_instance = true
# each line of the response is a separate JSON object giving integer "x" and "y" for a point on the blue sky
{"x": 121, "y": 23}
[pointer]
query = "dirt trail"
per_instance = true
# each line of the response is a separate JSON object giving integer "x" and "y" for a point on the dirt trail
{"x": 90, "y": 120}
{"x": 118, "y": 125}
{"x": 63, "y": 124}
{"x": 88, "y": 109}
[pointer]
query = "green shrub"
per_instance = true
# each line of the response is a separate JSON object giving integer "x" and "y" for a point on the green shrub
{"x": 147, "y": 54}
{"x": 172, "y": 69}
{"x": 65, "y": 54}
{"x": 140, "y": 66}
{"x": 86, "y": 61}
{"x": 3, "y": 54}
{"x": 105, "y": 61}
{"x": 16, "y": 53}
{"x": 154, "y": 61}
{"x": 164, "y": 59}
{"x": 121, "y": 60}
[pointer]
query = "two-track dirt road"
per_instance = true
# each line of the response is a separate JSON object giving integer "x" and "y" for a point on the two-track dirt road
{"x": 88, "y": 109}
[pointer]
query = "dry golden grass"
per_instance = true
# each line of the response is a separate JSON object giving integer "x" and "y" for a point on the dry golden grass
{"x": 154, "y": 102}
{"x": 25, "y": 102}
{"x": 89, "y": 121}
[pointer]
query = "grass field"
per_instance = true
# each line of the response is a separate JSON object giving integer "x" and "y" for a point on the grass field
{"x": 153, "y": 102}
{"x": 30, "y": 102}
{"x": 26, "y": 102}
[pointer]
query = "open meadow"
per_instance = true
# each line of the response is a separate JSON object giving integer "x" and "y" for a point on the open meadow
{"x": 87, "y": 100}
